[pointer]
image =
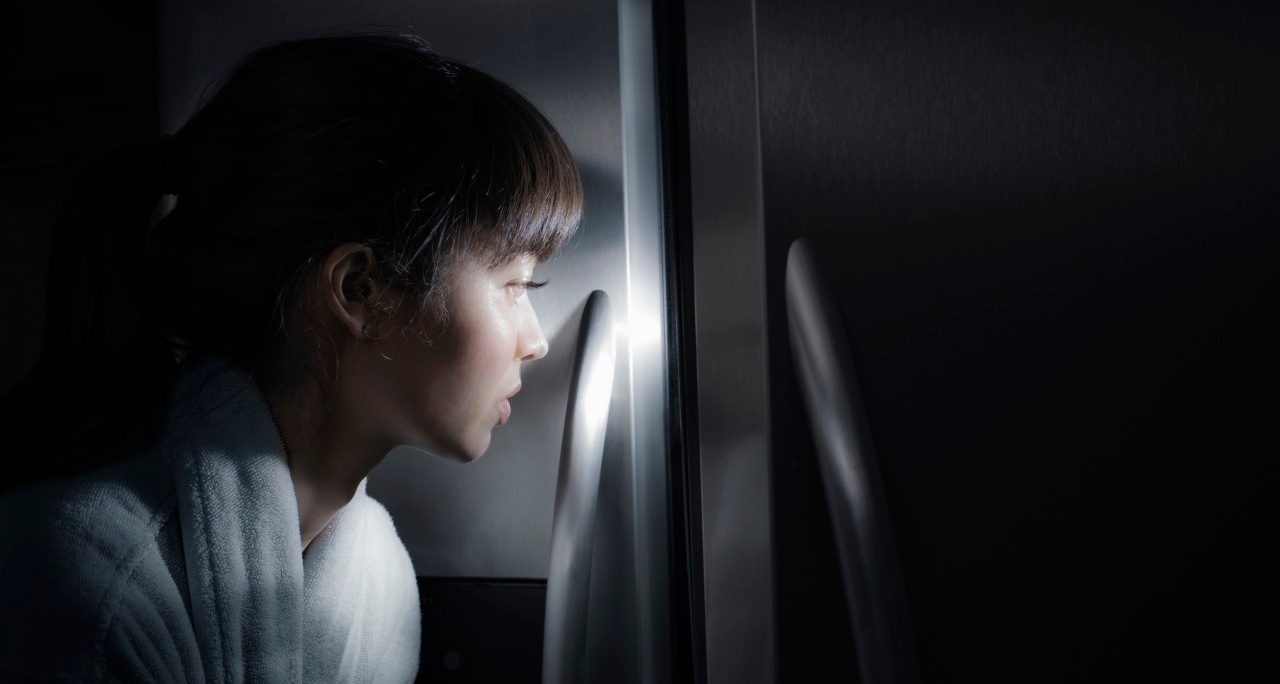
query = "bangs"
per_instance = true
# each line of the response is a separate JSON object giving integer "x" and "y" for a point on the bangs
{"x": 521, "y": 191}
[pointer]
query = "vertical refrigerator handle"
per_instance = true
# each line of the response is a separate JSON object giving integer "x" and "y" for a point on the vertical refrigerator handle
{"x": 864, "y": 543}
{"x": 577, "y": 489}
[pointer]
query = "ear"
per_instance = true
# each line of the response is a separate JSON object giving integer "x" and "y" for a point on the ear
{"x": 350, "y": 287}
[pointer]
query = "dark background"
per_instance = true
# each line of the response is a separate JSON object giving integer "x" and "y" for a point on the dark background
{"x": 76, "y": 77}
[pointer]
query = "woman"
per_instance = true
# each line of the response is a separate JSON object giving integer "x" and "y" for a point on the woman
{"x": 344, "y": 268}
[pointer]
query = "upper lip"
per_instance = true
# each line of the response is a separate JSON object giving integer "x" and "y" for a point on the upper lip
{"x": 513, "y": 391}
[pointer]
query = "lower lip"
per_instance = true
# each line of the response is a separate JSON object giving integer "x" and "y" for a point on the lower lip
{"x": 504, "y": 412}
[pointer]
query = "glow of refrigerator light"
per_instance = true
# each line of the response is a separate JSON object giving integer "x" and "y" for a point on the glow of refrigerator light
{"x": 642, "y": 329}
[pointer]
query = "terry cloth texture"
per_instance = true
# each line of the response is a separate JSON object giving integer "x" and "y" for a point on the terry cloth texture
{"x": 184, "y": 562}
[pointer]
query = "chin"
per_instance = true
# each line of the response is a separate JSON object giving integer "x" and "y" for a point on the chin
{"x": 451, "y": 452}
{"x": 454, "y": 454}
{"x": 468, "y": 453}
{"x": 461, "y": 448}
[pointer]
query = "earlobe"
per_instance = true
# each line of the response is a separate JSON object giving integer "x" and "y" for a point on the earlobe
{"x": 349, "y": 287}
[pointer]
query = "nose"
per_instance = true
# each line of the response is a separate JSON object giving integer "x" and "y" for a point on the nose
{"x": 533, "y": 344}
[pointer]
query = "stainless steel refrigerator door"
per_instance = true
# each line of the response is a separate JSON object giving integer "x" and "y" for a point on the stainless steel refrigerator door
{"x": 588, "y": 66}
{"x": 733, "y": 441}
{"x": 1051, "y": 234}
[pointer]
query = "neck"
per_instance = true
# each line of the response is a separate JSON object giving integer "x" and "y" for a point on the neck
{"x": 328, "y": 458}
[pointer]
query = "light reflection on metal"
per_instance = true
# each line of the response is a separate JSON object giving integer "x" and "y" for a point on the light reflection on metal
{"x": 645, "y": 362}
{"x": 868, "y": 563}
{"x": 577, "y": 490}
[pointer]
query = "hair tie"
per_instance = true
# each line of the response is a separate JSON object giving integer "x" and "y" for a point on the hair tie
{"x": 166, "y": 174}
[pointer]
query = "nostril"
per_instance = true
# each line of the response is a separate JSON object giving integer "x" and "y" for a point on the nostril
{"x": 536, "y": 351}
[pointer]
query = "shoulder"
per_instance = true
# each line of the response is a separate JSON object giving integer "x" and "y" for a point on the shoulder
{"x": 103, "y": 514}
{"x": 72, "y": 553}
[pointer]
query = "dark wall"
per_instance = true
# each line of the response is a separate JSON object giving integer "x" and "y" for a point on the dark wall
{"x": 75, "y": 77}
{"x": 1052, "y": 228}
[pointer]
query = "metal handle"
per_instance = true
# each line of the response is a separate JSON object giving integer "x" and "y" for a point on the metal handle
{"x": 577, "y": 487}
{"x": 868, "y": 563}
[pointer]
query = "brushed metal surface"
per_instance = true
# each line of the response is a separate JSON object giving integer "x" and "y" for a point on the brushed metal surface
{"x": 1050, "y": 231}
{"x": 846, "y": 457}
{"x": 729, "y": 322}
{"x": 577, "y": 491}
{"x": 646, "y": 328}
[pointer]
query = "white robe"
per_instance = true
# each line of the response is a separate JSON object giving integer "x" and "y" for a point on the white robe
{"x": 185, "y": 562}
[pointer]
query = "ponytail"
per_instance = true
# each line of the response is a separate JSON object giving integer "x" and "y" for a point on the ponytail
{"x": 98, "y": 386}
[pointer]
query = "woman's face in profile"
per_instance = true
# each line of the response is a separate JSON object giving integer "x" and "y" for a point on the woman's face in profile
{"x": 448, "y": 396}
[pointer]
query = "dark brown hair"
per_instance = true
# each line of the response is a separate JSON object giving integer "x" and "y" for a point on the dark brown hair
{"x": 306, "y": 145}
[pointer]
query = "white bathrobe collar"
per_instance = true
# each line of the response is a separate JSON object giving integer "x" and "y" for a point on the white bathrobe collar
{"x": 261, "y": 611}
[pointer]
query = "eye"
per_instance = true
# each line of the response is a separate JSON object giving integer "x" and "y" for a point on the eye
{"x": 520, "y": 287}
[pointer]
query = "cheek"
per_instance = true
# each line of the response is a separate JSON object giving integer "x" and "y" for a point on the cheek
{"x": 487, "y": 356}
{"x": 470, "y": 372}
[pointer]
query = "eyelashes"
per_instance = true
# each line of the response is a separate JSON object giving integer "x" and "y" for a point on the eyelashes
{"x": 517, "y": 289}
